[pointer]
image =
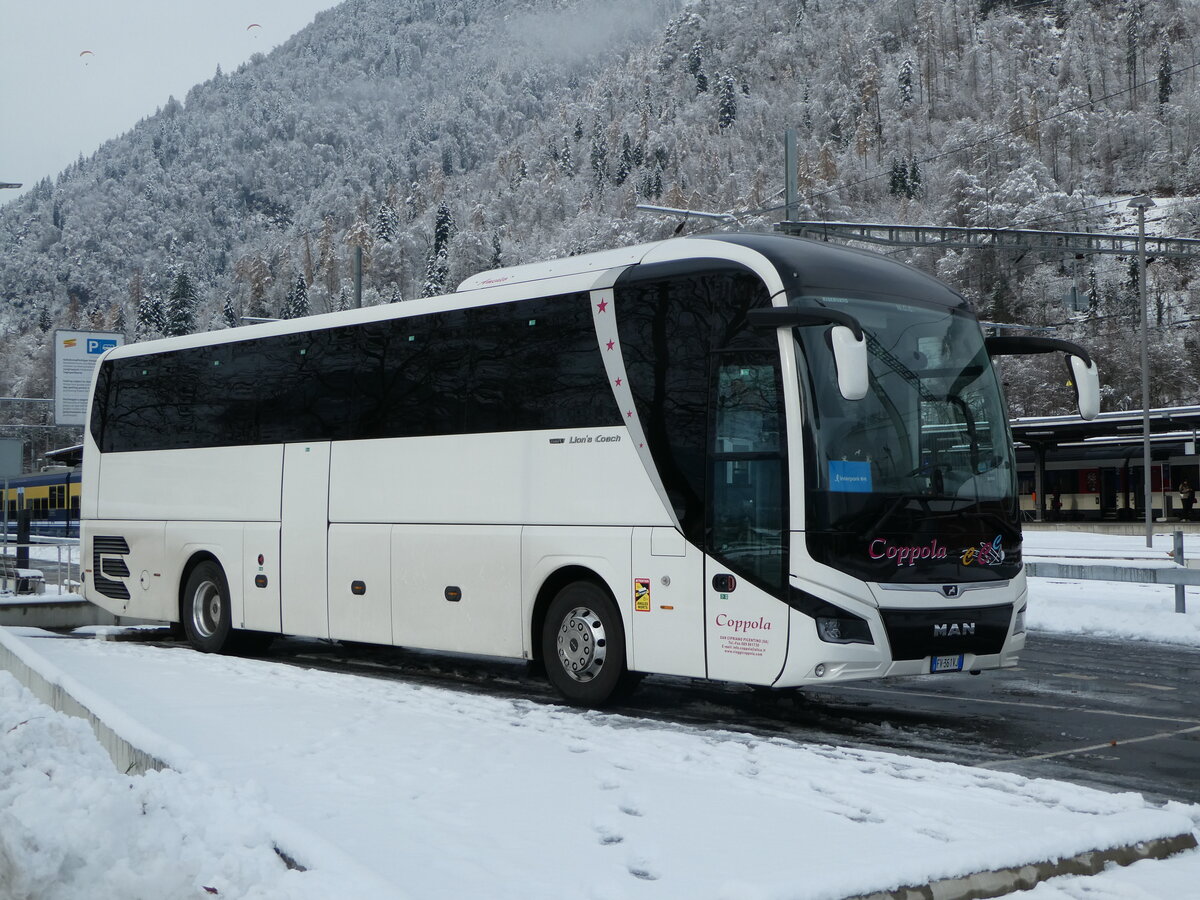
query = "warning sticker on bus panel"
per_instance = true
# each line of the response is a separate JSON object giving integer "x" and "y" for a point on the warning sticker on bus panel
{"x": 641, "y": 594}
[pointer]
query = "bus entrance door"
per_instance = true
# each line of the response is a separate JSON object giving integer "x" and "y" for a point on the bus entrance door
{"x": 303, "y": 534}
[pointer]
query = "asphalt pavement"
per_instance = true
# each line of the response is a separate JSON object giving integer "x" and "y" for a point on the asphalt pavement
{"x": 1120, "y": 715}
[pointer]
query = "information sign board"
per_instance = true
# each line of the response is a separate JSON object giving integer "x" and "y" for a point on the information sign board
{"x": 75, "y": 356}
{"x": 12, "y": 456}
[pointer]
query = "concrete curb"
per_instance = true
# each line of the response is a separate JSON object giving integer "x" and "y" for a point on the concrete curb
{"x": 126, "y": 757}
{"x": 1022, "y": 878}
{"x": 67, "y": 613}
{"x": 132, "y": 761}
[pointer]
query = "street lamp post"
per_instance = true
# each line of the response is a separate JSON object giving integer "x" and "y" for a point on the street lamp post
{"x": 1141, "y": 204}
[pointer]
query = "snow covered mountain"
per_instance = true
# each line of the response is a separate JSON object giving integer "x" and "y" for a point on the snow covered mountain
{"x": 452, "y": 136}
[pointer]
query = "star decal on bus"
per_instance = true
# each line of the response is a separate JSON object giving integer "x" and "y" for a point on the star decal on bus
{"x": 602, "y": 306}
{"x": 611, "y": 344}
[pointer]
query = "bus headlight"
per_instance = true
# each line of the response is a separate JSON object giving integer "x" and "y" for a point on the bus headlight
{"x": 1019, "y": 621}
{"x": 844, "y": 630}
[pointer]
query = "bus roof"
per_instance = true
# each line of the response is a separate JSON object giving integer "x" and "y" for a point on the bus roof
{"x": 792, "y": 264}
{"x": 568, "y": 265}
{"x": 805, "y": 267}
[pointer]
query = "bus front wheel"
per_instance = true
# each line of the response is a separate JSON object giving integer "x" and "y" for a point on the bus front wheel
{"x": 206, "y": 613}
{"x": 583, "y": 646}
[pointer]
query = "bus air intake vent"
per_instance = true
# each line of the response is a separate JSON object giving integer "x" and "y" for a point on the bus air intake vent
{"x": 108, "y": 558}
{"x": 916, "y": 634}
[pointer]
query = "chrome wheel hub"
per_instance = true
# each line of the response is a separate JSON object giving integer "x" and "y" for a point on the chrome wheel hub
{"x": 581, "y": 644}
{"x": 206, "y": 609}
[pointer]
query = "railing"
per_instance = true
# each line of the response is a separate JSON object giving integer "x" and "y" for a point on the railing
{"x": 16, "y": 580}
{"x": 1178, "y": 575}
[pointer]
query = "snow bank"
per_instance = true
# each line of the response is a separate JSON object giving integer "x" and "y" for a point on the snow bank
{"x": 72, "y": 828}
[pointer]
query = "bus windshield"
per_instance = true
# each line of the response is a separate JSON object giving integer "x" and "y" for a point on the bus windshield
{"x": 926, "y": 453}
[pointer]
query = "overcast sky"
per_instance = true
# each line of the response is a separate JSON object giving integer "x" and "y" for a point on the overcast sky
{"x": 56, "y": 104}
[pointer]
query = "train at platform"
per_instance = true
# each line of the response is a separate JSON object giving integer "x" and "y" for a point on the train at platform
{"x": 51, "y": 496}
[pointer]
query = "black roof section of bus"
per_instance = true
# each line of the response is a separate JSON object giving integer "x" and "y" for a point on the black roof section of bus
{"x": 809, "y": 267}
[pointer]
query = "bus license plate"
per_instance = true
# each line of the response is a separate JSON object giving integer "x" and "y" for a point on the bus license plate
{"x": 946, "y": 664}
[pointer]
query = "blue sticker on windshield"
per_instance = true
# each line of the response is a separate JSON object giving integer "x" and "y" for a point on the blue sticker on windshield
{"x": 852, "y": 477}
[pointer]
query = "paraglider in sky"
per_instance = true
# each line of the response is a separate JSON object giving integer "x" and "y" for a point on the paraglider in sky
{"x": 253, "y": 25}
{"x": 84, "y": 56}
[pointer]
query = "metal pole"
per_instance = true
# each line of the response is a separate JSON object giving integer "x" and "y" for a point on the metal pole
{"x": 358, "y": 276}
{"x": 1180, "y": 599}
{"x": 1141, "y": 203}
{"x": 789, "y": 165}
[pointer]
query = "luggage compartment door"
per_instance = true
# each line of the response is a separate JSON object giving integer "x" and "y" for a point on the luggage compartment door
{"x": 303, "y": 539}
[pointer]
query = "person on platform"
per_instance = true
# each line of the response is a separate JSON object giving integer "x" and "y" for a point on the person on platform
{"x": 1186, "y": 499}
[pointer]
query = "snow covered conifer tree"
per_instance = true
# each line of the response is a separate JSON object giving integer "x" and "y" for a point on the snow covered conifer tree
{"x": 905, "y": 79}
{"x": 436, "y": 272}
{"x": 1164, "y": 74}
{"x": 625, "y": 161}
{"x": 180, "y": 311}
{"x": 599, "y": 154}
{"x": 566, "y": 164}
{"x": 443, "y": 227}
{"x": 151, "y": 318}
{"x": 496, "y": 260}
{"x": 898, "y": 182}
{"x": 727, "y": 105}
{"x": 695, "y": 64}
{"x": 386, "y": 223}
{"x": 296, "y": 304}
{"x": 914, "y": 179}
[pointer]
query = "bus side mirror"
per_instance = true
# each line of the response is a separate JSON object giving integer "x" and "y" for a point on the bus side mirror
{"x": 1084, "y": 374}
{"x": 846, "y": 338}
{"x": 1086, "y": 378}
{"x": 850, "y": 356}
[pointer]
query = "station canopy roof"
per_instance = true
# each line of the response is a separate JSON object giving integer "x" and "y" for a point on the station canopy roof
{"x": 1180, "y": 422}
{"x": 66, "y": 456}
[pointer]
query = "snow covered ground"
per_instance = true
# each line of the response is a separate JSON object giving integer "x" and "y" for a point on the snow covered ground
{"x": 1110, "y": 609}
{"x": 387, "y": 790}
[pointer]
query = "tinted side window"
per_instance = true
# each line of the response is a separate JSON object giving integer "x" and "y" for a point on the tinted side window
{"x": 411, "y": 376}
{"x": 515, "y": 366}
{"x": 537, "y": 365}
{"x": 296, "y": 400}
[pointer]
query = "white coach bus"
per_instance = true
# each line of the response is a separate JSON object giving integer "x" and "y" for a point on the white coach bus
{"x": 746, "y": 457}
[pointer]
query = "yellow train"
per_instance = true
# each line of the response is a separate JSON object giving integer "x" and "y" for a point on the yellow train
{"x": 51, "y": 496}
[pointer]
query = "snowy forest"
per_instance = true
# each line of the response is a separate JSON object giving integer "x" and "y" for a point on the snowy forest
{"x": 444, "y": 137}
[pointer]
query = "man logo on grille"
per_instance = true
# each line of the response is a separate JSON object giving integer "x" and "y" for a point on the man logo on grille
{"x": 954, "y": 629}
{"x": 950, "y": 590}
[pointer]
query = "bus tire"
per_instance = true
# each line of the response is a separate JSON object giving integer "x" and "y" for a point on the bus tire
{"x": 583, "y": 646}
{"x": 205, "y": 609}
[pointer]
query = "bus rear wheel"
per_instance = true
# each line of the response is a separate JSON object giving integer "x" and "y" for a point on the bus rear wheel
{"x": 583, "y": 646}
{"x": 205, "y": 610}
